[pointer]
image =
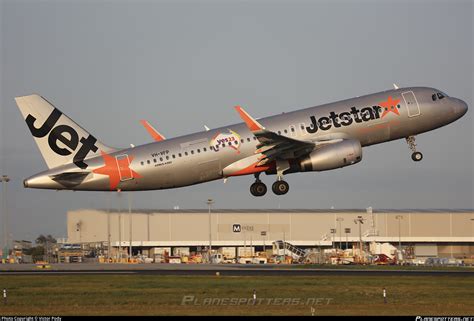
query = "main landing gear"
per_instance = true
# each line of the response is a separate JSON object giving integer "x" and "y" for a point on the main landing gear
{"x": 258, "y": 188}
{"x": 280, "y": 187}
{"x": 416, "y": 155}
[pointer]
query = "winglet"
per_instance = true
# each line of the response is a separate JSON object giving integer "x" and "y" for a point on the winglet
{"x": 395, "y": 86}
{"x": 152, "y": 131}
{"x": 251, "y": 123}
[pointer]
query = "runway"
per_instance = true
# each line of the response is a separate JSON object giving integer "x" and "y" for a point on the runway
{"x": 222, "y": 270}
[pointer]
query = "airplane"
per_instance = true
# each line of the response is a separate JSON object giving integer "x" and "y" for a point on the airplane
{"x": 314, "y": 139}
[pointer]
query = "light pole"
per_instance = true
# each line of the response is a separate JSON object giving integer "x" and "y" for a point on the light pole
{"x": 5, "y": 179}
{"x": 209, "y": 204}
{"x": 359, "y": 220}
{"x": 347, "y": 231}
{"x": 333, "y": 233}
{"x": 119, "y": 226}
{"x": 339, "y": 220}
{"x": 130, "y": 223}
{"x": 108, "y": 230}
{"x": 399, "y": 218}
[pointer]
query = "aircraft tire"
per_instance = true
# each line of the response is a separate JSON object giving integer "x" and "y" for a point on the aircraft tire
{"x": 280, "y": 187}
{"x": 417, "y": 156}
{"x": 258, "y": 189}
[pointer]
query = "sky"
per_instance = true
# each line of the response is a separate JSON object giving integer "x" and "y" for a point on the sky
{"x": 185, "y": 64}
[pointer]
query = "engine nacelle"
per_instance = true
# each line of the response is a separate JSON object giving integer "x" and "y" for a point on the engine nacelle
{"x": 331, "y": 156}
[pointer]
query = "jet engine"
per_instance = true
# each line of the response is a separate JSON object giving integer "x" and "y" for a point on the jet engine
{"x": 336, "y": 155}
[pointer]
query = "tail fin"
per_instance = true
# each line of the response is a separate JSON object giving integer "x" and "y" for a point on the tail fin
{"x": 60, "y": 140}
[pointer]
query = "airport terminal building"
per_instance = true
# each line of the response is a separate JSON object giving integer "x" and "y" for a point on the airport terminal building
{"x": 442, "y": 233}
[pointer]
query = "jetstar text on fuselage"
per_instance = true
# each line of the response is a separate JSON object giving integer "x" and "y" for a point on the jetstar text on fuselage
{"x": 345, "y": 118}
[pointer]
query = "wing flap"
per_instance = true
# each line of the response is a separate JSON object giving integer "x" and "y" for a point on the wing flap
{"x": 272, "y": 145}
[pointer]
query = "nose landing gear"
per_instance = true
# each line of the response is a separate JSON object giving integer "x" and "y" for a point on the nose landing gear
{"x": 416, "y": 155}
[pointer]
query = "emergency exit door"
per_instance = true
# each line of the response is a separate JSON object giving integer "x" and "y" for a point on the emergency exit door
{"x": 123, "y": 165}
{"x": 411, "y": 103}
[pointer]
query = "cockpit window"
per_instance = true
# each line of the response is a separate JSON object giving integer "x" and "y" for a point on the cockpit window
{"x": 433, "y": 97}
{"x": 440, "y": 95}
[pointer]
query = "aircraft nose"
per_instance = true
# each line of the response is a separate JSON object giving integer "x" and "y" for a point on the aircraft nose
{"x": 460, "y": 108}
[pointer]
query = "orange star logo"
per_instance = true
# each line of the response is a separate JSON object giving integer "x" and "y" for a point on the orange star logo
{"x": 390, "y": 106}
{"x": 116, "y": 169}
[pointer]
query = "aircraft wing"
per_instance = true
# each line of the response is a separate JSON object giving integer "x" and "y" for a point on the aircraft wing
{"x": 272, "y": 145}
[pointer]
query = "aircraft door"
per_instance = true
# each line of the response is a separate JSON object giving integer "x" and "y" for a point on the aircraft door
{"x": 412, "y": 104}
{"x": 123, "y": 165}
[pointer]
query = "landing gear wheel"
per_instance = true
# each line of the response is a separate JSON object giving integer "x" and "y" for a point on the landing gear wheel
{"x": 280, "y": 187}
{"x": 417, "y": 156}
{"x": 258, "y": 189}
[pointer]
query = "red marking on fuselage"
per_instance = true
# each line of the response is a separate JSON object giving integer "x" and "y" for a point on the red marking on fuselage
{"x": 113, "y": 168}
{"x": 252, "y": 169}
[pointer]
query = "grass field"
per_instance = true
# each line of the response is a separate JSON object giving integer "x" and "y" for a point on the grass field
{"x": 163, "y": 295}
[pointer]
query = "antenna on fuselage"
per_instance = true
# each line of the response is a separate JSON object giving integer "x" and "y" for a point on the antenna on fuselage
{"x": 395, "y": 86}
